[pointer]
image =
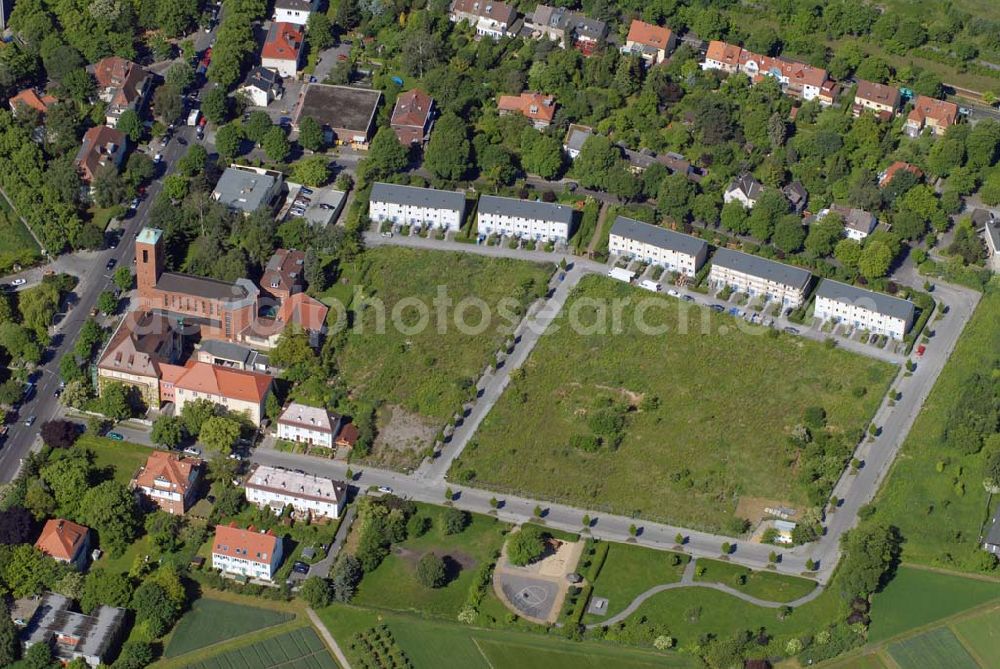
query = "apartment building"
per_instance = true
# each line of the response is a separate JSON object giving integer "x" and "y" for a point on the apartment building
{"x": 309, "y": 495}
{"x": 245, "y": 189}
{"x": 412, "y": 117}
{"x": 294, "y": 11}
{"x": 93, "y": 638}
{"x": 310, "y": 425}
{"x": 236, "y": 391}
{"x": 169, "y": 480}
{"x": 102, "y": 148}
{"x": 122, "y": 85}
{"x": 526, "y": 219}
{"x": 246, "y": 552}
{"x": 283, "y": 48}
{"x": 865, "y": 309}
{"x": 673, "y": 251}
{"x": 409, "y": 205}
{"x": 759, "y": 277}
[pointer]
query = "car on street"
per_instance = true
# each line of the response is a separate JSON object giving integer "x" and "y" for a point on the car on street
{"x": 191, "y": 450}
{"x": 29, "y": 421}
{"x": 18, "y": 282}
{"x": 113, "y": 244}
{"x": 116, "y": 436}
{"x": 673, "y": 293}
{"x": 921, "y": 350}
{"x": 718, "y": 308}
{"x": 285, "y": 121}
{"x": 305, "y": 190}
{"x": 111, "y": 264}
{"x": 687, "y": 298}
{"x": 158, "y": 158}
{"x": 182, "y": 141}
{"x": 387, "y": 234}
{"x": 134, "y": 204}
{"x": 300, "y": 567}
{"x": 57, "y": 392}
{"x": 790, "y": 330}
{"x": 385, "y": 489}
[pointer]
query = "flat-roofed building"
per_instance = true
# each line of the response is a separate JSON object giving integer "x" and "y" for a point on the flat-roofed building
{"x": 674, "y": 251}
{"x": 524, "y": 218}
{"x": 247, "y": 189}
{"x": 865, "y": 309}
{"x": 345, "y": 112}
{"x": 759, "y": 277}
{"x": 275, "y": 488}
{"x": 92, "y": 638}
{"x": 410, "y": 205}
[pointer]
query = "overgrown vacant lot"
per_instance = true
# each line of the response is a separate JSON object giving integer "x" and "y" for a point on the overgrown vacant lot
{"x": 700, "y": 418}
{"x": 430, "y": 372}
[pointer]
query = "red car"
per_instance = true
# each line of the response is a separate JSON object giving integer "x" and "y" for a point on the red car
{"x": 920, "y": 350}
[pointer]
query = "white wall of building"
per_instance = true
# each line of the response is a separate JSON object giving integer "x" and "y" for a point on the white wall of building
{"x": 404, "y": 214}
{"x": 285, "y": 67}
{"x": 246, "y": 567}
{"x": 673, "y": 261}
{"x": 303, "y": 433}
{"x": 860, "y": 317}
{"x": 329, "y": 508}
{"x": 789, "y": 296}
{"x": 529, "y": 228}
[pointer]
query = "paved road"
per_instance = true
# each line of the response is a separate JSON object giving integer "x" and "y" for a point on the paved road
{"x": 322, "y": 568}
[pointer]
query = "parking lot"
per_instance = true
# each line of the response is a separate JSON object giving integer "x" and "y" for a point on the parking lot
{"x": 319, "y": 206}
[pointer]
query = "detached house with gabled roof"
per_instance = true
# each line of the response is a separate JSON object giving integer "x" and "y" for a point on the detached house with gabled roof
{"x": 491, "y": 18}
{"x": 31, "y": 99}
{"x": 169, "y": 481}
{"x": 865, "y": 309}
{"x": 881, "y": 99}
{"x": 262, "y": 86}
{"x": 412, "y": 117}
{"x": 65, "y": 541}
{"x": 102, "y": 148}
{"x": 568, "y": 28}
{"x": 282, "y": 50}
{"x": 247, "y": 553}
{"x": 309, "y": 495}
{"x": 650, "y": 42}
{"x": 309, "y": 425}
{"x": 674, "y": 251}
{"x": 537, "y": 108}
{"x": 936, "y": 115}
{"x": 122, "y": 85}
{"x": 744, "y": 189}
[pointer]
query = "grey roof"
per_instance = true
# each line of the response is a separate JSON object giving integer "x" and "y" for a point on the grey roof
{"x": 869, "y": 299}
{"x": 560, "y": 18}
{"x": 576, "y": 136}
{"x": 762, "y": 268}
{"x": 418, "y": 197}
{"x": 748, "y": 184}
{"x": 993, "y": 536}
{"x": 542, "y": 211}
{"x": 96, "y": 632}
{"x": 301, "y": 5}
{"x": 212, "y": 289}
{"x": 795, "y": 192}
{"x": 980, "y": 217}
{"x": 993, "y": 232}
{"x": 263, "y": 78}
{"x": 856, "y": 219}
{"x": 243, "y": 189}
{"x": 225, "y": 350}
{"x": 657, "y": 236}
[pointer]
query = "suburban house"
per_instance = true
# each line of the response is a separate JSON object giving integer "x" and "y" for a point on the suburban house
{"x": 491, "y": 18}
{"x": 674, "y": 251}
{"x": 829, "y": 92}
{"x": 309, "y": 495}
{"x": 796, "y": 195}
{"x": 282, "y": 50}
{"x": 246, "y": 552}
{"x": 122, "y": 85}
{"x": 883, "y": 100}
{"x": 65, "y": 541}
{"x": 31, "y": 98}
{"x": 576, "y": 135}
{"x": 247, "y": 189}
{"x": 293, "y": 11}
{"x": 986, "y": 223}
{"x": 797, "y": 79}
{"x": 93, "y": 638}
{"x": 991, "y": 542}
{"x": 886, "y": 177}
{"x": 309, "y": 425}
{"x": 524, "y": 218}
{"x": 865, "y": 309}
{"x": 936, "y": 115}
{"x": 168, "y": 480}
{"x": 744, "y": 189}
{"x": 539, "y": 109}
{"x": 409, "y": 205}
{"x": 103, "y": 147}
{"x": 413, "y": 116}
{"x": 236, "y": 391}
{"x": 346, "y": 113}
{"x": 282, "y": 276}
{"x": 262, "y": 86}
{"x": 650, "y": 42}
{"x": 568, "y": 28}
{"x": 759, "y": 277}
{"x": 858, "y": 223}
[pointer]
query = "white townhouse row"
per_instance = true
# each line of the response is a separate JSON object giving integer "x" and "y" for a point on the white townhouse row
{"x": 671, "y": 250}
{"x": 246, "y": 552}
{"x": 759, "y": 277}
{"x": 865, "y": 309}
{"x": 527, "y": 219}
{"x": 276, "y": 487}
{"x": 409, "y": 205}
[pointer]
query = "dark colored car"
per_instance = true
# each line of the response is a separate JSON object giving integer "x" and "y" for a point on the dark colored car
{"x": 111, "y": 264}
{"x": 300, "y": 568}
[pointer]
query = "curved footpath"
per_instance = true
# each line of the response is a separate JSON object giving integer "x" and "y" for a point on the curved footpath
{"x": 687, "y": 581}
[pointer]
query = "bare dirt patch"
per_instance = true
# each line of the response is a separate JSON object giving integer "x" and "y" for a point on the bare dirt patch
{"x": 753, "y": 508}
{"x": 402, "y": 438}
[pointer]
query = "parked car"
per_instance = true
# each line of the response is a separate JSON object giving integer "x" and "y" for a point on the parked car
{"x": 18, "y": 282}
{"x": 116, "y": 436}
{"x": 182, "y": 141}
{"x": 111, "y": 264}
{"x": 687, "y": 298}
{"x": 306, "y": 190}
{"x": 673, "y": 293}
{"x": 387, "y": 234}
{"x": 790, "y": 330}
{"x": 921, "y": 350}
{"x": 158, "y": 158}
{"x": 718, "y": 308}
{"x": 385, "y": 489}
{"x": 324, "y": 205}
{"x": 191, "y": 450}
{"x": 300, "y": 567}
{"x": 29, "y": 421}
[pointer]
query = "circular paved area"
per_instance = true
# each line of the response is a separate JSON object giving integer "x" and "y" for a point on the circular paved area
{"x": 533, "y": 597}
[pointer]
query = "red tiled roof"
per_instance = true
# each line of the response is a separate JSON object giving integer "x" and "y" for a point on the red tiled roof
{"x": 124, "y": 76}
{"x": 941, "y": 112}
{"x": 244, "y": 544}
{"x": 647, "y": 34}
{"x": 412, "y": 108}
{"x": 722, "y": 52}
{"x": 283, "y": 42}
{"x": 877, "y": 93}
{"x": 234, "y": 384}
{"x": 487, "y": 9}
{"x": 896, "y": 167}
{"x": 348, "y": 435}
{"x": 304, "y": 311}
{"x": 100, "y": 146}
{"x": 30, "y": 98}
{"x": 532, "y": 105}
{"x": 61, "y": 538}
{"x": 174, "y": 469}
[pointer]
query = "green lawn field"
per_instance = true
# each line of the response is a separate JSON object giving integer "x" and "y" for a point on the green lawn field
{"x": 939, "y": 526}
{"x": 122, "y": 457}
{"x": 297, "y": 649}
{"x": 429, "y": 372}
{"x": 16, "y": 243}
{"x": 761, "y": 584}
{"x": 630, "y": 570}
{"x": 394, "y": 584}
{"x": 981, "y": 634}
{"x": 727, "y": 401}
{"x": 916, "y": 597}
{"x": 936, "y": 649}
{"x": 211, "y": 620}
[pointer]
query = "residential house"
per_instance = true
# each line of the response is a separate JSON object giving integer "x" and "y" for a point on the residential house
{"x": 886, "y": 177}
{"x": 759, "y": 277}
{"x": 246, "y": 553}
{"x": 236, "y": 391}
{"x": 650, "y": 42}
{"x": 262, "y": 86}
{"x": 31, "y": 98}
{"x": 347, "y": 113}
{"x": 305, "y": 312}
{"x": 121, "y": 85}
{"x": 828, "y": 94}
{"x": 309, "y": 425}
{"x": 987, "y": 224}
{"x": 678, "y": 164}
{"x": 409, "y": 205}
{"x": 935, "y": 115}
{"x": 143, "y": 342}
{"x": 66, "y": 542}
{"x": 722, "y": 56}
{"x": 744, "y": 189}
{"x": 283, "y": 274}
{"x": 169, "y": 480}
{"x": 347, "y": 437}
{"x": 576, "y": 135}
{"x": 102, "y": 148}
{"x": 309, "y": 495}
{"x": 796, "y": 195}
{"x": 526, "y": 219}
{"x": 881, "y": 99}
{"x": 568, "y": 28}
{"x": 864, "y": 309}
{"x": 858, "y": 223}
{"x": 991, "y": 542}
{"x": 94, "y": 638}
{"x": 413, "y": 116}
{"x": 674, "y": 251}
{"x": 247, "y": 189}
{"x": 539, "y": 109}
{"x": 797, "y": 79}
{"x": 491, "y": 18}
{"x": 293, "y": 11}
{"x": 283, "y": 48}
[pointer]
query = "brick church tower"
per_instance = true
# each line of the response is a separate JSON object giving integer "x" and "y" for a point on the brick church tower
{"x": 148, "y": 259}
